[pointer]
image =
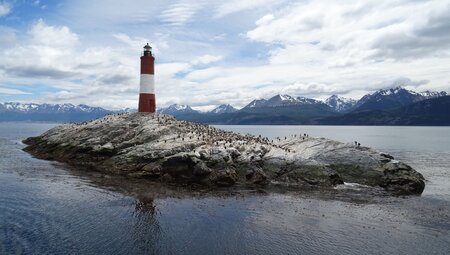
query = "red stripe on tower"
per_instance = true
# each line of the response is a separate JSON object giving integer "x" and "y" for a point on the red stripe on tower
{"x": 147, "y": 102}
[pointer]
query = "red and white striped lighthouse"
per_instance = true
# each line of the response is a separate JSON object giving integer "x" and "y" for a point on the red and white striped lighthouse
{"x": 147, "y": 102}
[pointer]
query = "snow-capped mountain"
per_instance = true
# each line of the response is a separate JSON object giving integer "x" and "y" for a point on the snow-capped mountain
{"x": 48, "y": 108}
{"x": 177, "y": 109}
{"x": 432, "y": 94}
{"x": 394, "y": 97}
{"x": 224, "y": 108}
{"x": 280, "y": 109}
{"x": 340, "y": 104}
{"x": 434, "y": 112}
{"x": 381, "y": 99}
{"x": 256, "y": 103}
{"x": 281, "y": 100}
{"x": 126, "y": 110}
{"x": 12, "y": 111}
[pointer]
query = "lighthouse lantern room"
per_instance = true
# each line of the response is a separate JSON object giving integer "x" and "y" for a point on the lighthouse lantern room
{"x": 147, "y": 102}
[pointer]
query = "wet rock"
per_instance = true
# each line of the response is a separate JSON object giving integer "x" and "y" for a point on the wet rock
{"x": 151, "y": 170}
{"x": 201, "y": 169}
{"x": 404, "y": 184}
{"x": 358, "y": 174}
{"x": 402, "y": 179}
{"x": 395, "y": 165}
{"x": 179, "y": 165}
{"x": 386, "y": 155}
{"x": 256, "y": 175}
{"x": 224, "y": 178}
{"x": 336, "y": 179}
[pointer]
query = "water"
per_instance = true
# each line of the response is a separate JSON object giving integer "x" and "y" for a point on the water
{"x": 47, "y": 207}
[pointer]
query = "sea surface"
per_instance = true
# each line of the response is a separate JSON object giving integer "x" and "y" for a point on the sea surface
{"x": 49, "y": 208}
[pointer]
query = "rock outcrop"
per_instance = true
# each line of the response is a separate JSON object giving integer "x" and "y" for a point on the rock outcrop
{"x": 159, "y": 147}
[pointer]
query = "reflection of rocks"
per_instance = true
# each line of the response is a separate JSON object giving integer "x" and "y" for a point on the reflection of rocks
{"x": 145, "y": 204}
{"x": 164, "y": 149}
{"x": 146, "y": 230}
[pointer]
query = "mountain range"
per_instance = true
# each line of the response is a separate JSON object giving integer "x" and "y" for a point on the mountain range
{"x": 391, "y": 98}
{"x": 394, "y": 106}
{"x": 428, "y": 112}
{"x": 13, "y": 111}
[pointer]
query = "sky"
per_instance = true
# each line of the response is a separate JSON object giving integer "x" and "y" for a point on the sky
{"x": 218, "y": 52}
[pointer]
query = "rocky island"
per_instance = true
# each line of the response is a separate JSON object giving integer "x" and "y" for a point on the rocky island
{"x": 162, "y": 148}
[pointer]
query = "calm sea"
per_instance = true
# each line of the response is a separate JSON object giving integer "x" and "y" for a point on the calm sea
{"x": 49, "y": 208}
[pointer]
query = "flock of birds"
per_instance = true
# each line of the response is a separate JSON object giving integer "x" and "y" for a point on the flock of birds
{"x": 190, "y": 131}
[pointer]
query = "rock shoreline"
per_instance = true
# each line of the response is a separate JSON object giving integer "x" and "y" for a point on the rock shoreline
{"x": 159, "y": 147}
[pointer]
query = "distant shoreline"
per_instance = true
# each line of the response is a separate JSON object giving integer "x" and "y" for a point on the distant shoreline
{"x": 218, "y": 124}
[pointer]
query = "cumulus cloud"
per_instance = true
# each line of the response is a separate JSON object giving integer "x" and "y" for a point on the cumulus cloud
{"x": 46, "y": 53}
{"x": 360, "y": 30}
{"x": 38, "y": 58}
{"x": 100, "y": 76}
{"x": 52, "y": 55}
{"x": 209, "y": 52}
{"x": 55, "y": 36}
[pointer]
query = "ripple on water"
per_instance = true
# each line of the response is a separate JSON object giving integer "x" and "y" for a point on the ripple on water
{"x": 25, "y": 223}
{"x": 46, "y": 208}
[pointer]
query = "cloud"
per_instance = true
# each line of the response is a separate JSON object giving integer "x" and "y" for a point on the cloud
{"x": 38, "y": 72}
{"x": 234, "y": 6}
{"x": 52, "y": 55}
{"x": 402, "y": 82}
{"x": 265, "y": 20}
{"x": 55, "y": 36}
{"x": 64, "y": 96}
{"x": 180, "y": 13}
{"x": 110, "y": 13}
{"x": 8, "y": 36}
{"x": 209, "y": 52}
{"x": 206, "y": 59}
{"x": 115, "y": 79}
{"x": 10, "y": 91}
{"x": 158, "y": 42}
{"x": 47, "y": 53}
{"x": 360, "y": 31}
{"x": 422, "y": 35}
{"x": 5, "y": 9}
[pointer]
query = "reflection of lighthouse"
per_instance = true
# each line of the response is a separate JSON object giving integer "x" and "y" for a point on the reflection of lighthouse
{"x": 147, "y": 91}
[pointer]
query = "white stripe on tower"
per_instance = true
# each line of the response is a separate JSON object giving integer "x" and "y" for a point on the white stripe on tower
{"x": 147, "y": 84}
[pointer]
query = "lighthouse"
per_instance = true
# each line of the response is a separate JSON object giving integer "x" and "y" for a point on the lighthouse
{"x": 147, "y": 102}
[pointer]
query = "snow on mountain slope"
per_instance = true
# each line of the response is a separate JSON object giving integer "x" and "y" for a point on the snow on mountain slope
{"x": 48, "y": 108}
{"x": 340, "y": 104}
{"x": 394, "y": 97}
{"x": 176, "y": 109}
{"x": 281, "y": 100}
{"x": 224, "y": 108}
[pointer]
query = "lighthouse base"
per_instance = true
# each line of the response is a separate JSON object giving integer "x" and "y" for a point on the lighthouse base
{"x": 147, "y": 103}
